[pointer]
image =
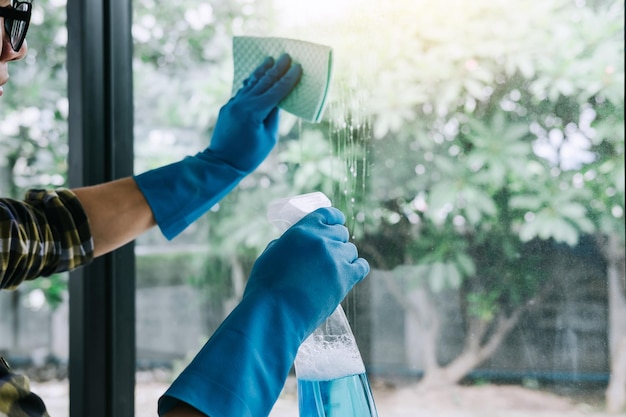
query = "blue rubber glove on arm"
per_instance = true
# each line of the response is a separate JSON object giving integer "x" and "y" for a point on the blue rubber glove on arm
{"x": 245, "y": 133}
{"x": 296, "y": 283}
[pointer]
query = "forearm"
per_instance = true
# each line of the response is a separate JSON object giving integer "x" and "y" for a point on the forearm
{"x": 117, "y": 213}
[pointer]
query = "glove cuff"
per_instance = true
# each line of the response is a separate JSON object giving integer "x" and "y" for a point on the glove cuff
{"x": 243, "y": 367}
{"x": 180, "y": 193}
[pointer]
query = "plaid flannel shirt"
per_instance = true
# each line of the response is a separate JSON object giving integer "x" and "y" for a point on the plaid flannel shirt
{"x": 16, "y": 400}
{"x": 46, "y": 233}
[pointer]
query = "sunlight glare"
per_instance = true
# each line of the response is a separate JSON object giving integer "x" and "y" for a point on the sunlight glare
{"x": 292, "y": 13}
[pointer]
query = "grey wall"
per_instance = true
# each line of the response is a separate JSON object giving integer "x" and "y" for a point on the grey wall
{"x": 567, "y": 334}
{"x": 170, "y": 323}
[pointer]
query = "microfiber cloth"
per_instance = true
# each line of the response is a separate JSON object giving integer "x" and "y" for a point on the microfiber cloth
{"x": 308, "y": 98}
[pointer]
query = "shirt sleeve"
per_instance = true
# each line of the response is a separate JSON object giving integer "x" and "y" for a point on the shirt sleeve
{"x": 16, "y": 399}
{"x": 46, "y": 233}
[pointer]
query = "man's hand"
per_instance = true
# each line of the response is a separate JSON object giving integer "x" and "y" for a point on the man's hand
{"x": 308, "y": 270}
{"x": 247, "y": 126}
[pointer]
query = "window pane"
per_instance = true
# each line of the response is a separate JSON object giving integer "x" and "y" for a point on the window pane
{"x": 34, "y": 330}
{"x": 477, "y": 151}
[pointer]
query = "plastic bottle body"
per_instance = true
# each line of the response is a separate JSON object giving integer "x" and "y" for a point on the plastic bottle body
{"x": 349, "y": 396}
{"x": 331, "y": 374}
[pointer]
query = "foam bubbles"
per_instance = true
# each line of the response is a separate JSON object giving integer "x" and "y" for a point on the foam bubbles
{"x": 321, "y": 358}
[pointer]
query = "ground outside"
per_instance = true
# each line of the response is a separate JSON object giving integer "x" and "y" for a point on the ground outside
{"x": 458, "y": 401}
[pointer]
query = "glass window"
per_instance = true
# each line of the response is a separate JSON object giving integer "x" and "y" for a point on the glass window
{"x": 477, "y": 149}
{"x": 34, "y": 330}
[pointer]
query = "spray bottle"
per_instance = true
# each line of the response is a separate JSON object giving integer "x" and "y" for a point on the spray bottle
{"x": 331, "y": 375}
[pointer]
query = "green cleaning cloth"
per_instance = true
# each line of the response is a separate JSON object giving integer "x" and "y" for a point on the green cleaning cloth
{"x": 308, "y": 98}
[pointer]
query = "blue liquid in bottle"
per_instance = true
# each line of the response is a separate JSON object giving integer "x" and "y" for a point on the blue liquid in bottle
{"x": 349, "y": 396}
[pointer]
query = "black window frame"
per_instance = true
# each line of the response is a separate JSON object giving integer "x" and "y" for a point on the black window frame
{"x": 102, "y": 295}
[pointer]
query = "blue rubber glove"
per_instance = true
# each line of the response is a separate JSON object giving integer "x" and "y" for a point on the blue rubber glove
{"x": 245, "y": 133}
{"x": 296, "y": 283}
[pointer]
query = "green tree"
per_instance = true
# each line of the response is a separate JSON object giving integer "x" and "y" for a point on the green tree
{"x": 33, "y": 133}
{"x": 492, "y": 125}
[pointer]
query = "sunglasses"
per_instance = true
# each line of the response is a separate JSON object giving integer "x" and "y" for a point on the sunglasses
{"x": 16, "y": 20}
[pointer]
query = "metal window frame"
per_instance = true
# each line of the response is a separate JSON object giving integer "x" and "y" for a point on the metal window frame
{"x": 102, "y": 295}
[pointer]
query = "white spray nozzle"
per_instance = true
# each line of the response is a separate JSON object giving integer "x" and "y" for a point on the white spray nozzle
{"x": 286, "y": 212}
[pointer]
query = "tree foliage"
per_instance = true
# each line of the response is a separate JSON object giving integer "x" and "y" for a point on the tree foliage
{"x": 495, "y": 129}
